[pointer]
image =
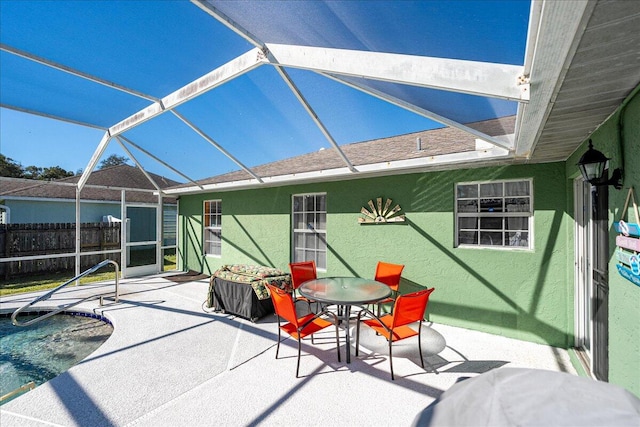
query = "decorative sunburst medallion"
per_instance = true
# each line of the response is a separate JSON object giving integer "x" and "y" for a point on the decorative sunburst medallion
{"x": 380, "y": 214}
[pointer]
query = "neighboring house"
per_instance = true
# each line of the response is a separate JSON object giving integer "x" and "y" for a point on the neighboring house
{"x": 499, "y": 241}
{"x": 150, "y": 232}
{"x": 26, "y": 201}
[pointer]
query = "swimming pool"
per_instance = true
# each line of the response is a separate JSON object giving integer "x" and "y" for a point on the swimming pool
{"x": 48, "y": 348}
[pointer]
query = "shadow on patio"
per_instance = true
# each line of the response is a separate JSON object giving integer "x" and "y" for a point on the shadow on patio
{"x": 169, "y": 362}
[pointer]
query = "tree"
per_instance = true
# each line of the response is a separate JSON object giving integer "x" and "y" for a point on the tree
{"x": 32, "y": 172}
{"x": 10, "y": 168}
{"x": 113, "y": 160}
{"x": 55, "y": 172}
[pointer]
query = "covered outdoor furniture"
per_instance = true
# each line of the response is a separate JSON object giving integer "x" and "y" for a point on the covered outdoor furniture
{"x": 241, "y": 289}
{"x": 531, "y": 397}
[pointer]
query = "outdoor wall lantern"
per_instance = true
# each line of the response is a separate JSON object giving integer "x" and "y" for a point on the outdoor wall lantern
{"x": 593, "y": 166}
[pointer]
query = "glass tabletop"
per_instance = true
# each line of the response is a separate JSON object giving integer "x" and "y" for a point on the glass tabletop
{"x": 344, "y": 290}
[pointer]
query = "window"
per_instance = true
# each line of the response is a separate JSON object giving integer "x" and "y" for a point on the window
{"x": 169, "y": 224}
{"x": 212, "y": 240}
{"x": 310, "y": 229}
{"x": 494, "y": 214}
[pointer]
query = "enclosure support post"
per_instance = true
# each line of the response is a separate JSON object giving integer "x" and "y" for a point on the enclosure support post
{"x": 77, "y": 257}
{"x": 159, "y": 229}
{"x": 123, "y": 234}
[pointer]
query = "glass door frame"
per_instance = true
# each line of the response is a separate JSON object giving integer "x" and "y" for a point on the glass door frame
{"x": 147, "y": 268}
{"x": 583, "y": 299}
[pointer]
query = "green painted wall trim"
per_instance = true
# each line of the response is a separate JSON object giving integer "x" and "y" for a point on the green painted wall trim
{"x": 522, "y": 294}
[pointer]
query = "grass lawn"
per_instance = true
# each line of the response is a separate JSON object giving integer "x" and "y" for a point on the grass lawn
{"x": 42, "y": 282}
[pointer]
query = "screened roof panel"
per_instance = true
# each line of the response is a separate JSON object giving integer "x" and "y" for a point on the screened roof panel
{"x": 32, "y": 86}
{"x": 470, "y": 30}
{"x": 217, "y": 62}
{"x": 172, "y": 141}
{"x": 255, "y": 118}
{"x": 160, "y": 58}
{"x": 368, "y": 116}
{"x": 156, "y": 49}
{"x": 444, "y": 103}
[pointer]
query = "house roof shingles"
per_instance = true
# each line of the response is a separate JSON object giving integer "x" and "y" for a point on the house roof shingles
{"x": 118, "y": 177}
{"x": 434, "y": 142}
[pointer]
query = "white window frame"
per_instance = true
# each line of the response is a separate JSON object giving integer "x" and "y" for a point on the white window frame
{"x": 208, "y": 245}
{"x": 507, "y": 243}
{"x": 313, "y": 220}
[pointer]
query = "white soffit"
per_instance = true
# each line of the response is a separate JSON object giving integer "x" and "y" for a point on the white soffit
{"x": 559, "y": 30}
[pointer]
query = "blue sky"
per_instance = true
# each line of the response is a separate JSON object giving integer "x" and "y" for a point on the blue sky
{"x": 158, "y": 46}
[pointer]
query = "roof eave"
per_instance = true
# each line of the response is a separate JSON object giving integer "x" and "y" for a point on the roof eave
{"x": 423, "y": 164}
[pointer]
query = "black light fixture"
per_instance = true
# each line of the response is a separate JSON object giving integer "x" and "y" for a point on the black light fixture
{"x": 593, "y": 166}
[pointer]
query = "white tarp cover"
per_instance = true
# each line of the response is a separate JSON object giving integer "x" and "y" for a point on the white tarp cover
{"x": 532, "y": 397}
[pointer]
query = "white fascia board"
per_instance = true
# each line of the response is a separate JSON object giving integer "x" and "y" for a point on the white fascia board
{"x": 444, "y": 159}
{"x": 483, "y": 144}
{"x": 472, "y": 77}
{"x": 232, "y": 69}
{"x": 559, "y": 31}
{"x": 383, "y": 168}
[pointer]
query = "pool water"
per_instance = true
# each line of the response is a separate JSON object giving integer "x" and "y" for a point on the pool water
{"x": 46, "y": 349}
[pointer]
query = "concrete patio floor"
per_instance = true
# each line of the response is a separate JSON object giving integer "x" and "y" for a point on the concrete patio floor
{"x": 171, "y": 363}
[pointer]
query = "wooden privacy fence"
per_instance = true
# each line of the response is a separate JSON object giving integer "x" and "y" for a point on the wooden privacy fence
{"x": 19, "y": 240}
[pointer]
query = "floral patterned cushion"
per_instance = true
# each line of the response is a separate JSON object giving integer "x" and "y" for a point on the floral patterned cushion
{"x": 257, "y": 276}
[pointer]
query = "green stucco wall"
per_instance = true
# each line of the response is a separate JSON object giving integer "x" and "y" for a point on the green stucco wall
{"x": 624, "y": 296}
{"x": 521, "y": 294}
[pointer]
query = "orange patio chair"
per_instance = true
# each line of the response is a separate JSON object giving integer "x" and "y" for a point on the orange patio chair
{"x": 408, "y": 309}
{"x": 302, "y": 272}
{"x": 390, "y": 275}
{"x": 298, "y": 327}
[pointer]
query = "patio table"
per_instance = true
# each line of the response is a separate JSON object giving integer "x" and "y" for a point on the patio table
{"x": 345, "y": 292}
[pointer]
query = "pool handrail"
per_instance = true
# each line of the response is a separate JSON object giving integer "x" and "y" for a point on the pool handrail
{"x": 26, "y": 387}
{"x": 48, "y": 295}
